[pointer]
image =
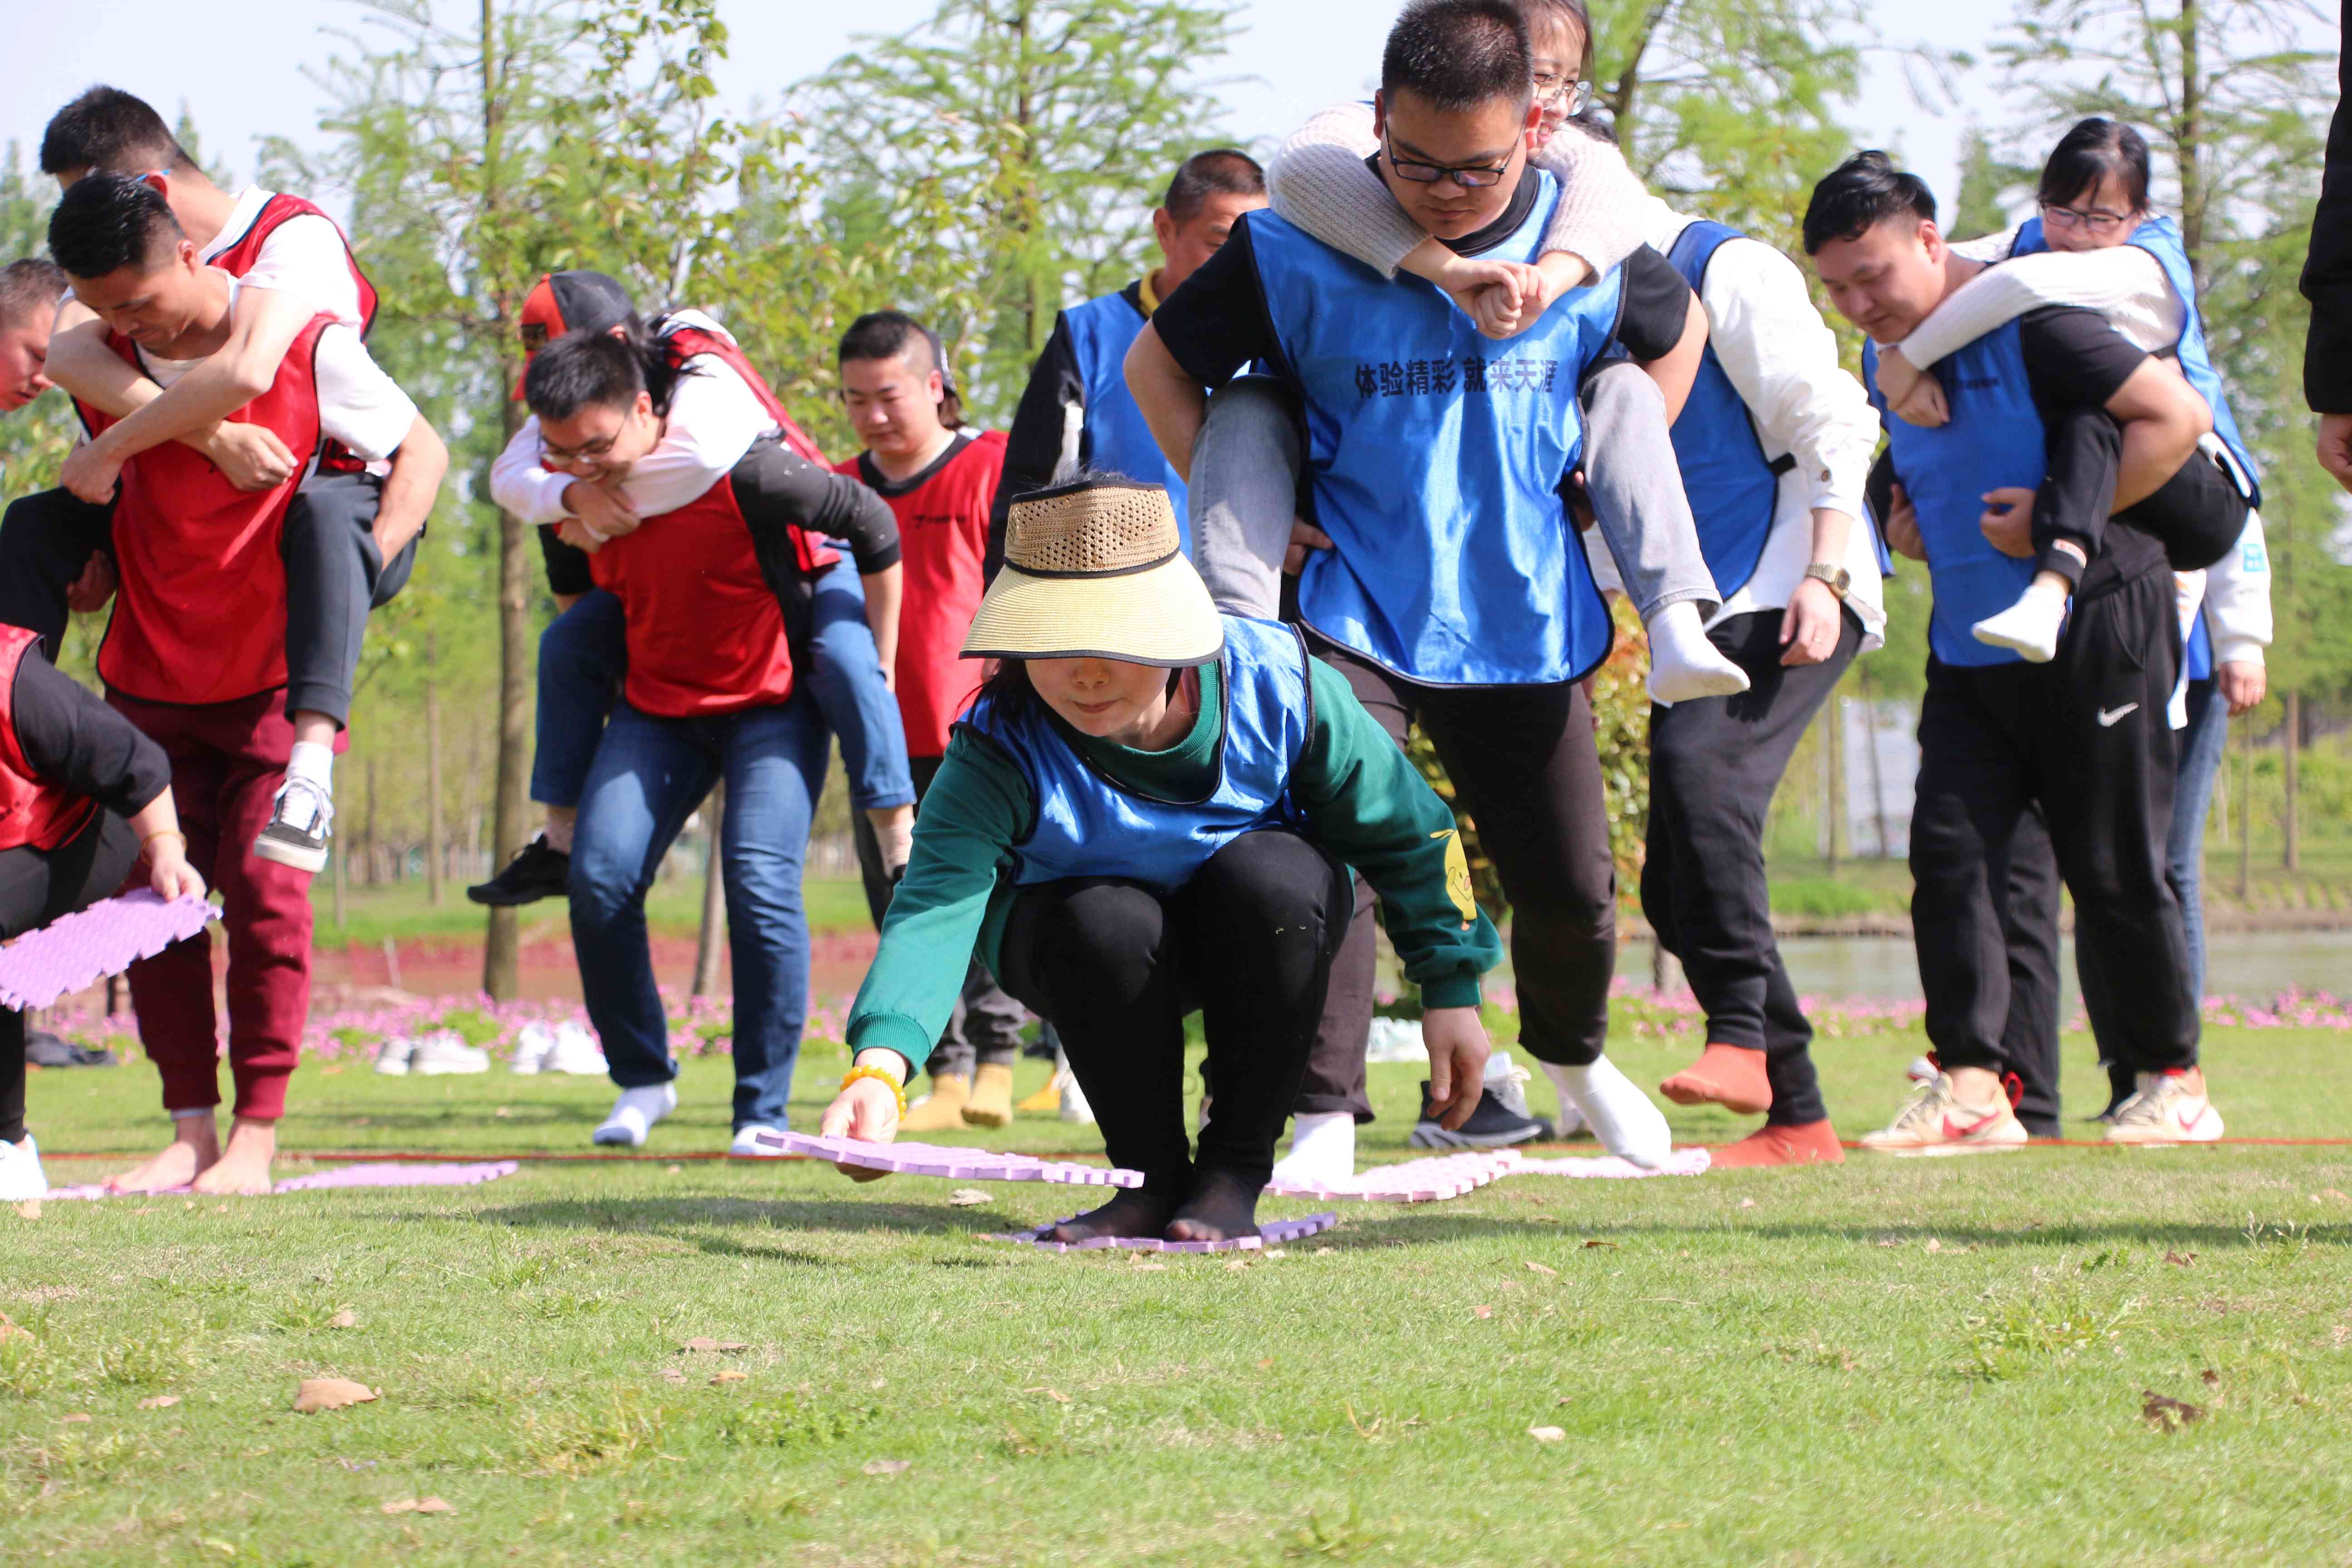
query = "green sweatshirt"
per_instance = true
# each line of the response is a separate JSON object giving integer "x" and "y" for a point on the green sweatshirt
{"x": 1365, "y": 802}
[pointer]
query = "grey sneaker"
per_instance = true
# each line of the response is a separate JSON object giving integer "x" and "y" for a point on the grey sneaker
{"x": 301, "y": 822}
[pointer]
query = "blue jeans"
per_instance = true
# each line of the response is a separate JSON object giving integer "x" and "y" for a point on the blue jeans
{"x": 2202, "y": 746}
{"x": 648, "y": 776}
{"x": 583, "y": 655}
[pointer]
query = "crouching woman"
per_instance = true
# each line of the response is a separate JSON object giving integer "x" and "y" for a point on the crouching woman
{"x": 1151, "y": 809}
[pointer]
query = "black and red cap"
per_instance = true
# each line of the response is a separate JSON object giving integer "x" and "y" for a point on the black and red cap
{"x": 577, "y": 301}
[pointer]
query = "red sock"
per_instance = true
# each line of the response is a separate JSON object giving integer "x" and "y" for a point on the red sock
{"x": 1729, "y": 1075}
{"x": 1814, "y": 1143}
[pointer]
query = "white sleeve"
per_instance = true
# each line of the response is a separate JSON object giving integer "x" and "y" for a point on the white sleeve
{"x": 306, "y": 255}
{"x": 1987, "y": 248}
{"x": 520, "y": 486}
{"x": 358, "y": 405}
{"x": 1317, "y": 179}
{"x": 714, "y": 417}
{"x": 2238, "y": 598}
{"x": 1782, "y": 360}
{"x": 2125, "y": 285}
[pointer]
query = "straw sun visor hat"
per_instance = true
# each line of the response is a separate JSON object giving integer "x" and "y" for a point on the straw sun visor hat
{"x": 1097, "y": 570}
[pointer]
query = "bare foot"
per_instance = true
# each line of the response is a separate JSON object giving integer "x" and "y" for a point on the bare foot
{"x": 194, "y": 1145}
{"x": 243, "y": 1168}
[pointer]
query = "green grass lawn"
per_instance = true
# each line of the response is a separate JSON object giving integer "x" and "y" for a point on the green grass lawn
{"x": 1934, "y": 1361}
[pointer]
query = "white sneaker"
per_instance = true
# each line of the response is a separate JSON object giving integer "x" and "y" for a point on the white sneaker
{"x": 391, "y": 1056}
{"x": 1322, "y": 1151}
{"x": 446, "y": 1051}
{"x": 2165, "y": 1111}
{"x": 1076, "y": 1109}
{"x": 576, "y": 1052}
{"x": 634, "y": 1114}
{"x": 21, "y": 1177}
{"x": 531, "y": 1047}
{"x": 1923, "y": 1072}
{"x": 1625, "y": 1120}
{"x": 748, "y": 1143}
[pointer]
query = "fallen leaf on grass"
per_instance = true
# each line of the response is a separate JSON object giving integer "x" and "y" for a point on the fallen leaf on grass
{"x": 728, "y": 1376}
{"x": 2168, "y": 1415}
{"x": 418, "y": 1505}
{"x": 503, "y": 1110}
{"x": 30, "y": 1208}
{"x": 2330, "y": 1193}
{"x": 1597, "y": 1242}
{"x": 2180, "y": 1259}
{"x": 318, "y": 1393}
{"x": 1536, "y": 1268}
{"x": 671, "y": 1374}
{"x": 1934, "y": 1246}
{"x": 1546, "y": 1434}
{"x": 1482, "y": 1311}
{"x": 887, "y": 1466}
{"x": 722, "y": 1347}
{"x": 1140, "y": 1266}
{"x": 1056, "y": 1394}
{"x": 967, "y": 1197}
{"x": 346, "y": 1319}
{"x": 1272, "y": 1252}
{"x": 159, "y": 1402}
{"x": 75, "y": 1415}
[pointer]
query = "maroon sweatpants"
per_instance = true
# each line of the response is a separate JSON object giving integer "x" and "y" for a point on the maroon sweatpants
{"x": 227, "y": 760}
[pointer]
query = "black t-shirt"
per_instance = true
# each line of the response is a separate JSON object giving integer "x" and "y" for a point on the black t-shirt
{"x": 73, "y": 740}
{"x": 1216, "y": 322}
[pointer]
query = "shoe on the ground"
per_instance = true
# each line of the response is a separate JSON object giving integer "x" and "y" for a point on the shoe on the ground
{"x": 1923, "y": 1071}
{"x": 749, "y": 1143}
{"x": 44, "y": 1050}
{"x": 991, "y": 1103}
{"x": 446, "y": 1051}
{"x": 1935, "y": 1123}
{"x": 391, "y": 1056}
{"x": 2167, "y": 1109}
{"x": 1812, "y": 1143}
{"x": 1509, "y": 1083}
{"x": 538, "y": 870}
{"x": 575, "y": 1053}
{"x": 533, "y": 1042}
{"x": 941, "y": 1109}
{"x": 300, "y": 821}
{"x": 1492, "y": 1125}
{"x": 634, "y": 1114}
{"x": 21, "y": 1177}
{"x": 1076, "y": 1109}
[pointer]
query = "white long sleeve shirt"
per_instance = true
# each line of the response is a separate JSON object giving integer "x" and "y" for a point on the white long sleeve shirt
{"x": 2124, "y": 283}
{"x": 714, "y": 417}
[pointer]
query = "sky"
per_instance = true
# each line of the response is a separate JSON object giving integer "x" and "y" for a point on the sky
{"x": 244, "y": 82}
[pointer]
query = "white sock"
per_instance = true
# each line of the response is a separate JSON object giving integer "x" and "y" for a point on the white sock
{"x": 314, "y": 763}
{"x": 1618, "y": 1113}
{"x": 1684, "y": 666}
{"x": 634, "y": 1114}
{"x": 1322, "y": 1151}
{"x": 2030, "y": 627}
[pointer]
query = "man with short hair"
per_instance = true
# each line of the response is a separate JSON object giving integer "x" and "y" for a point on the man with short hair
{"x": 29, "y": 293}
{"x": 194, "y": 654}
{"x": 1452, "y": 595}
{"x": 1077, "y": 410}
{"x": 294, "y": 263}
{"x": 2054, "y": 414}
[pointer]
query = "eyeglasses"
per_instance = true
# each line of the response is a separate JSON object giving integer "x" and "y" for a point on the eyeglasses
{"x": 2075, "y": 217}
{"x": 1559, "y": 92}
{"x": 1475, "y": 178}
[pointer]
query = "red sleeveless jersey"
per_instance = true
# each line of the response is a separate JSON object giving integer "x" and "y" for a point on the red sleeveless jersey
{"x": 32, "y": 811}
{"x": 943, "y": 544}
{"x": 239, "y": 258}
{"x": 705, "y": 632}
{"x": 200, "y": 617}
{"x": 683, "y": 343}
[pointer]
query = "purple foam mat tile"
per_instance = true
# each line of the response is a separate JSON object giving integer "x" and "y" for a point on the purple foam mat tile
{"x": 84, "y": 947}
{"x": 1692, "y": 1162}
{"x": 954, "y": 1164}
{"x": 1432, "y": 1179}
{"x": 1274, "y": 1233}
{"x": 384, "y": 1174}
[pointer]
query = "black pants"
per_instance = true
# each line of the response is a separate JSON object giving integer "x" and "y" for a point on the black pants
{"x": 2085, "y": 738}
{"x": 2028, "y": 1039}
{"x": 2197, "y": 515}
{"x": 986, "y": 1024}
{"x": 1714, "y": 766}
{"x": 36, "y": 886}
{"x": 1523, "y": 763}
{"x": 335, "y": 576}
{"x": 1116, "y": 966}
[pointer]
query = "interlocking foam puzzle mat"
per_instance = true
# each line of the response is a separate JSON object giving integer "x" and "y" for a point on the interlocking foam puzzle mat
{"x": 1274, "y": 1233}
{"x": 1422, "y": 1181}
{"x": 376, "y": 1175}
{"x": 84, "y": 947}
{"x": 1692, "y": 1161}
{"x": 956, "y": 1164}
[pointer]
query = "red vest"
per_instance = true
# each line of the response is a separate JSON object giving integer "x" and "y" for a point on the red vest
{"x": 32, "y": 811}
{"x": 201, "y": 614}
{"x": 705, "y": 632}
{"x": 943, "y": 540}
{"x": 683, "y": 343}
{"x": 238, "y": 259}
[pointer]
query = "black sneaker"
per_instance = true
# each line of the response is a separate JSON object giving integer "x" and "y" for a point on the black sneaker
{"x": 538, "y": 870}
{"x": 300, "y": 822}
{"x": 1494, "y": 1125}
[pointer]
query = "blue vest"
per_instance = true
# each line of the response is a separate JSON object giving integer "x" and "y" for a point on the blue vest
{"x": 1735, "y": 491}
{"x": 2196, "y": 661}
{"x": 1086, "y": 825}
{"x": 1437, "y": 456}
{"x": 1117, "y": 439}
{"x": 1995, "y": 438}
{"x": 2160, "y": 237}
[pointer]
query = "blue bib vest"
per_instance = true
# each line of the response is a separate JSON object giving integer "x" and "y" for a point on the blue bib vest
{"x": 1436, "y": 456}
{"x": 1117, "y": 440}
{"x": 1994, "y": 439}
{"x": 1086, "y": 825}
{"x": 1735, "y": 490}
{"x": 2160, "y": 237}
{"x": 2197, "y": 659}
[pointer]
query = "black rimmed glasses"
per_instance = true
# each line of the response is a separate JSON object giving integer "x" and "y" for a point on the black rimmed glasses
{"x": 1475, "y": 176}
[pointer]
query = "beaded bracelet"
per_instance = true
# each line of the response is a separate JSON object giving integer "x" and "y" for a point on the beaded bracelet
{"x": 879, "y": 1076}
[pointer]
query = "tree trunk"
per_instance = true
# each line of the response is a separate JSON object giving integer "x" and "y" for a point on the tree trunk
{"x": 367, "y": 828}
{"x": 2290, "y": 748}
{"x": 711, "y": 942}
{"x": 502, "y": 944}
{"x": 2190, "y": 141}
{"x": 435, "y": 837}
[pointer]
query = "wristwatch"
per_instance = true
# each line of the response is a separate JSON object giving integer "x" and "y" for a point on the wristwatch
{"x": 1837, "y": 579}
